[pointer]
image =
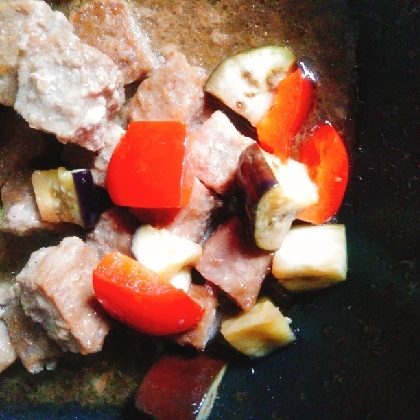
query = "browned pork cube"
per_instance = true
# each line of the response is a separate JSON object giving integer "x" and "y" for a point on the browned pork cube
{"x": 206, "y": 296}
{"x": 57, "y": 292}
{"x": 111, "y": 27}
{"x": 113, "y": 232}
{"x": 14, "y": 19}
{"x": 190, "y": 221}
{"x": 217, "y": 145}
{"x": 234, "y": 264}
{"x": 66, "y": 87}
{"x": 172, "y": 92}
{"x": 33, "y": 346}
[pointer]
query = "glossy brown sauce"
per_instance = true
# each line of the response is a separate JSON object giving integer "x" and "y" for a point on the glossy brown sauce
{"x": 320, "y": 34}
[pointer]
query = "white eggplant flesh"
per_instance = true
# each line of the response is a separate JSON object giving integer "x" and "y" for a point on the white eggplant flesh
{"x": 311, "y": 258}
{"x": 274, "y": 193}
{"x": 163, "y": 252}
{"x": 259, "y": 331}
{"x": 246, "y": 82}
{"x": 182, "y": 279}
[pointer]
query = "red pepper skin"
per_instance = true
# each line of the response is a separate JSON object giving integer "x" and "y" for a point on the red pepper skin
{"x": 139, "y": 298}
{"x": 292, "y": 102}
{"x": 325, "y": 156}
{"x": 150, "y": 167}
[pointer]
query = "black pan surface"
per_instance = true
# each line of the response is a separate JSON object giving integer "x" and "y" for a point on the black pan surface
{"x": 358, "y": 348}
{"x": 357, "y": 355}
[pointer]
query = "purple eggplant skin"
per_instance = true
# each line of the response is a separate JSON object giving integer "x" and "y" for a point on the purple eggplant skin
{"x": 254, "y": 178}
{"x": 87, "y": 196}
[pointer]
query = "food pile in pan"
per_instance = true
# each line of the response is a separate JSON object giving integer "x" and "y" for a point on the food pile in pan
{"x": 173, "y": 189}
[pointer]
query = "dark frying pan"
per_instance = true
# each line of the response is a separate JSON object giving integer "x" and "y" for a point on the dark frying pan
{"x": 358, "y": 348}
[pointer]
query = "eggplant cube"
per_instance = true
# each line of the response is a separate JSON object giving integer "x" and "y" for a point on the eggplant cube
{"x": 311, "y": 257}
{"x": 259, "y": 331}
{"x": 246, "y": 82}
{"x": 274, "y": 193}
{"x": 163, "y": 252}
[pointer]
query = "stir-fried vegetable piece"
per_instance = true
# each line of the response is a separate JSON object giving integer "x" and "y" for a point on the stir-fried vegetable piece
{"x": 140, "y": 298}
{"x": 259, "y": 331}
{"x": 162, "y": 251}
{"x": 325, "y": 155}
{"x": 290, "y": 108}
{"x": 246, "y": 82}
{"x": 149, "y": 167}
{"x": 311, "y": 257}
{"x": 274, "y": 193}
{"x": 180, "y": 387}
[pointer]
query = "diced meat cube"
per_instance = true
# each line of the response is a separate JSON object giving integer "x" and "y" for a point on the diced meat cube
{"x": 30, "y": 341}
{"x": 234, "y": 264}
{"x": 190, "y": 221}
{"x": 8, "y": 292}
{"x": 172, "y": 92}
{"x": 198, "y": 337}
{"x": 7, "y": 351}
{"x": 100, "y": 164}
{"x": 113, "y": 232}
{"x": 66, "y": 87}
{"x": 217, "y": 145}
{"x": 14, "y": 16}
{"x": 57, "y": 292}
{"x": 111, "y": 27}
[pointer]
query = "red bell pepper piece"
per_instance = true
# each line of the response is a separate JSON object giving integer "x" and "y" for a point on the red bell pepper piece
{"x": 139, "y": 298}
{"x": 150, "y": 166}
{"x": 325, "y": 156}
{"x": 284, "y": 119}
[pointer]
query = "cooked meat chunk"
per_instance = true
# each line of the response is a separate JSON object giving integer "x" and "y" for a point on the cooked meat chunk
{"x": 172, "y": 92}
{"x": 57, "y": 292}
{"x": 190, "y": 221}
{"x": 65, "y": 87}
{"x": 217, "y": 145}
{"x": 113, "y": 232}
{"x": 111, "y": 27}
{"x": 7, "y": 351}
{"x": 30, "y": 341}
{"x": 8, "y": 292}
{"x": 234, "y": 264}
{"x": 206, "y": 296}
{"x": 100, "y": 164}
{"x": 14, "y": 17}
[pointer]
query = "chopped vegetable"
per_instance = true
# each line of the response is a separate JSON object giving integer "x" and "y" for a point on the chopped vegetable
{"x": 274, "y": 192}
{"x": 325, "y": 155}
{"x": 290, "y": 108}
{"x": 150, "y": 167}
{"x": 311, "y": 257}
{"x": 163, "y": 252}
{"x": 66, "y": 196}
{"x": 140, "y": 298}
{"x": 259, "y": 331}
{"x": 178, "y": 387}
{"x": 246, "y": 82}
{"x": 182, "y": 279}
